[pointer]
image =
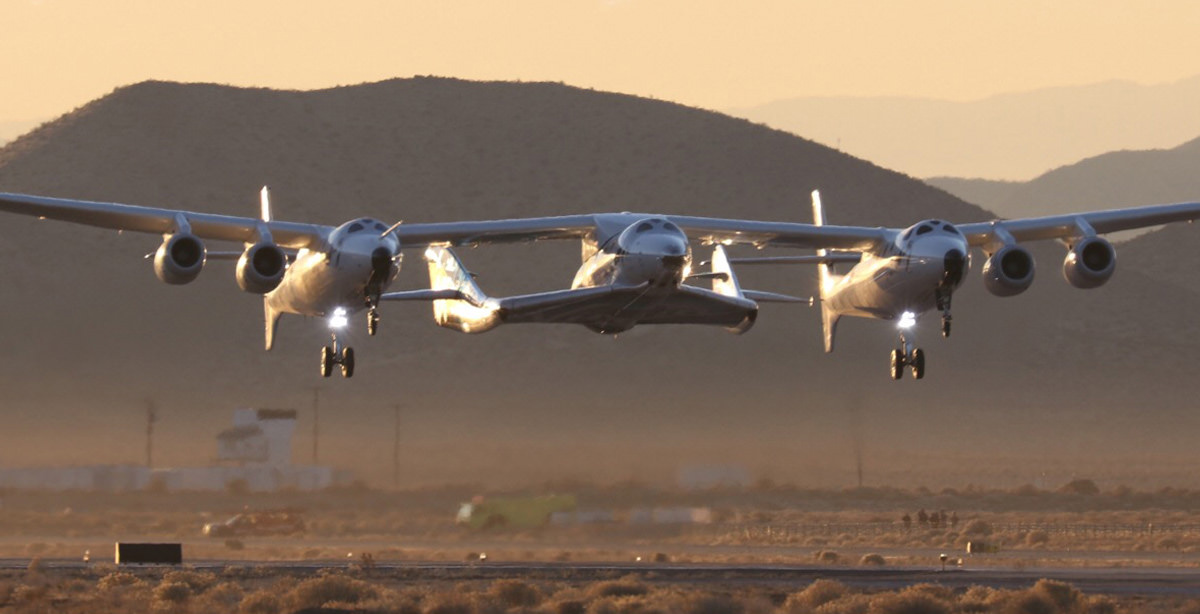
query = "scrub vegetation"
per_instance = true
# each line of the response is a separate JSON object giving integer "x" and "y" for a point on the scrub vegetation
{"x": 234, "y": 589}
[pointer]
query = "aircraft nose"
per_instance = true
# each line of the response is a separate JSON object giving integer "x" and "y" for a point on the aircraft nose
{"x": 955, "y": 265}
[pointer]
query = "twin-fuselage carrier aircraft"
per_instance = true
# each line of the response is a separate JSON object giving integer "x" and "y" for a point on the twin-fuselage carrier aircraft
{"x": 635, "y": 266}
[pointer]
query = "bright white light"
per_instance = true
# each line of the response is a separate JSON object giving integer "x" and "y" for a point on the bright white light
{"x": 338, "y": 319}
{"x": 907, "y": 320}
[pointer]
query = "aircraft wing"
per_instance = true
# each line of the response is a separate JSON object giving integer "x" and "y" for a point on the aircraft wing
{"x": 162, "y": 221}
{"x": 455, "y": 234}
{"x": 1077, "y": 224}
{"x": 598, "y": 306}
{"x": 783, "y": 234}
{"x": 712, "y": 230}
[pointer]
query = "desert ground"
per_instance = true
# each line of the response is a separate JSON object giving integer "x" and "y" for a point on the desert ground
{"x": 767, "y": 548}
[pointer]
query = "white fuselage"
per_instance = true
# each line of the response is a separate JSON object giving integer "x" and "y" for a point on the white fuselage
{"x": 912, "y": 274}
{"x": 358, "y": 260}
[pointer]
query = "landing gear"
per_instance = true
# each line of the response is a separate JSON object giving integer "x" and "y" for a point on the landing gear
{"x": 943, "y": 303}
{"x": 906, "y": 355}
{"x": 337, "y": 354}
{"x": 372, "y": 322}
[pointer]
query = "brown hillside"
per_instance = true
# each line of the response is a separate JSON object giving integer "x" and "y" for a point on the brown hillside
{"x": 91, "y": 333}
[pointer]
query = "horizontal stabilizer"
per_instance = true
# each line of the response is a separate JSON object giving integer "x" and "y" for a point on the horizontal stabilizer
{"x": 426, "y": 295}
{"x": 772, "y": 297}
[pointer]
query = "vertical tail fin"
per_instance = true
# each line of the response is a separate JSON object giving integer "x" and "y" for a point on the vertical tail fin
{"x": 829, "y": 317}
{"x": 270, "y": 316}
{"x": 727, "y": 285}
{"x": 264, "y": 199}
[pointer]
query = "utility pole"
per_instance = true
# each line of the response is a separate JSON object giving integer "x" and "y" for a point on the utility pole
{"x": 396, "y": 451}
{"x": 151, "y": 417}
{"x": 316, "y": 421}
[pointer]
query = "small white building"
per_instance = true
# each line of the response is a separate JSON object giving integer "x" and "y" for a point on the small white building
{"x": 256, "y": 456}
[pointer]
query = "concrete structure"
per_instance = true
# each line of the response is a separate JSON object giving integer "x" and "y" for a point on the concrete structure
{"x": 256, "y": 455}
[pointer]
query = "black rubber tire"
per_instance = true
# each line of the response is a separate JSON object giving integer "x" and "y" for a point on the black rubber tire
{"x": 348, "y": 362}
{"x": 918, "y": 364}
{"x": 326, "y": 361}
{"x": 897, "y": 364}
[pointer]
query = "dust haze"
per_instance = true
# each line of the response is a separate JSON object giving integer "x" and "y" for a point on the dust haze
{"x": 1037, "y": 389}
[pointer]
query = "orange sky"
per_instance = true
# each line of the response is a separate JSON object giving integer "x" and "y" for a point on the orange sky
{"x": 716, "y": 54}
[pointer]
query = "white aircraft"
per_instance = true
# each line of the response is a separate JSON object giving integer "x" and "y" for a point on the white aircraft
{"x": 634, "y": 268}
{"x": 633, "y": 271}
{"x": 899, "y": 274}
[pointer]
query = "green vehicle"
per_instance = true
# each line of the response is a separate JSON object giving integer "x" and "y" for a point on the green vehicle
{"x": 516, "y": 513}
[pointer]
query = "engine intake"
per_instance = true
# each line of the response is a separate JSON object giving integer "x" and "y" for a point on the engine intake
{"x": 1090, "y": 263}
{"x": 179, "y": 259}
{"x": 1009, "y": 271}
{"x": 261, "y": 268}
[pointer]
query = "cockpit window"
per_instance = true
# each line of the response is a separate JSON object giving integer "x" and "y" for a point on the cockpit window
{"x": 950, "y": 229}
{"x": 644, "y": 226}
{"x": 924, "y": 228}
{"x": 671, "y": 227}
{"x": 355, "y": 227}
{"x": 379, "y": 226}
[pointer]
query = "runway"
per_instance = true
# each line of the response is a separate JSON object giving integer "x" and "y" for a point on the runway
{"x": 1106, "y": 580}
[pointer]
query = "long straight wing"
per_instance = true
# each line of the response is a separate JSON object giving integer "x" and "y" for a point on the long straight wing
{"x": 456, "y": 234}
{"x": 711, "y": 230}
{"x": 162, "y": 221}
{"x": 1075, "y": 225}
{"x": 784, "y": 234}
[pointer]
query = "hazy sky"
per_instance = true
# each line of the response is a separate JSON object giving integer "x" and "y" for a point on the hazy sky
{"x": 61, "y": 53}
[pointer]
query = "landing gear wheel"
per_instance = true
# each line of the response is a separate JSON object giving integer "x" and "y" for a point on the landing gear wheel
{"x": 347, "y": 362}
{"x": 918, "y": 364}
{"x": 897, "y": 364}
{"x": 946, "y": 327}
{"x": 372, "y": 323}
{"x": 326, "y": 361}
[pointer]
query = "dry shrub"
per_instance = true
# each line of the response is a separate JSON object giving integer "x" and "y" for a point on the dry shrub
{"x": 814, "y": 596}
{"x": 1167, "y": 543}
{"x": 197, "y": 581}
{"x": 873, "y": 560}
{"x": 171, "y": 595}
{"x": 223, "y": 597}
{"x": 625, "y": 587}
{"x": 1080, "y": 486}
{"x": 1037, "y": 537}
{"x": 977, "y": 527}
{"x": 515, "y": 593}
{"x": 332, "y": 588}
{"x": 713, "y": 604}
{"x": 116, "y": 580}
{"x": 262, "y": 602}
{"x": 908, "y": 602}
{"x": 1101, "y": 604}
{"x": 30, "y": 593}
{"x": 828, "y": 557}
{"x": 1066, "y": 598}
{"x": 447, "y": 603}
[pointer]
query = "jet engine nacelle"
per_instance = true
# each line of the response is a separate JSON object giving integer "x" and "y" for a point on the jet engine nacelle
{"x": 1090, "y": 263}
{"x": 261, "y": 268}
{"x": 1009, "y": 271}
{"x": 179, "y": 259}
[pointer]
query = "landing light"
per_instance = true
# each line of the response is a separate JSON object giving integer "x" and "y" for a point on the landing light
{"x": 338, "y": 319}
{"x": 907, "y": 320}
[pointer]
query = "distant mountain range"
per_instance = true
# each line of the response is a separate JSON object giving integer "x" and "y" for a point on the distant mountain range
{"x": 1011, "y": 136}
{"x": 1115, "y": 179}
{"x": 1045, "y": 386}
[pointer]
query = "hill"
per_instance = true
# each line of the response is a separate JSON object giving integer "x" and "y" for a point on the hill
{"x": 1042, "y": 380}
{"x": 1114, "y": 179}
{"x": 1011, "y": 136}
